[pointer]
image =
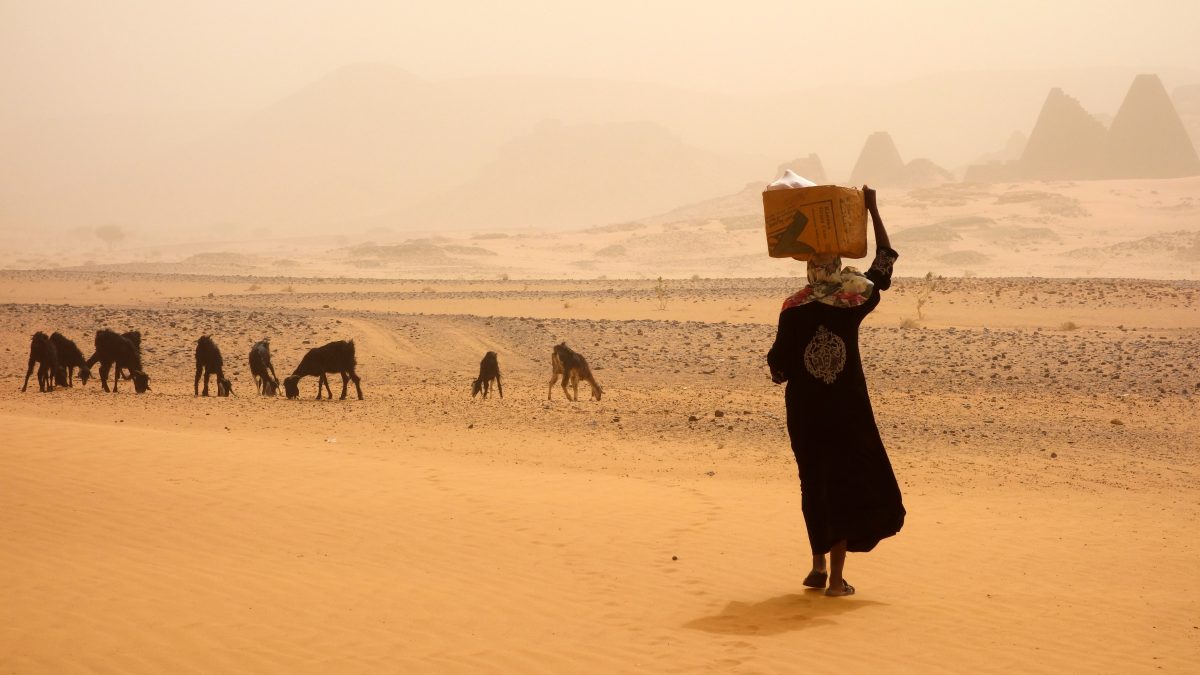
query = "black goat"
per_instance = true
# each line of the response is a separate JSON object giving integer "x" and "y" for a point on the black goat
{"x": 489, "y": 369}
{"x": 42, "y": 352}
{"x": 135, "y": 337}
{"x": 572, "y": 367}
{"x": 124, "y": 353}
{"x": 265, "y": 379}
{"x": 335, "y": 357}
{"x": 209, "y": 362}
{"x": 69, "y": 358}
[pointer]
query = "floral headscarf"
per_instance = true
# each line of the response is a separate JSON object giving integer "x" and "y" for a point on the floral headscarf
{"x": 832, "y": 284}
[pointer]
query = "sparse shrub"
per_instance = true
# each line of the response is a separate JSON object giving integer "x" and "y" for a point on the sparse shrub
{"x": 931, "y": 284}
{"x": 1068, "y": 325}
{"x": 111, "y": 234}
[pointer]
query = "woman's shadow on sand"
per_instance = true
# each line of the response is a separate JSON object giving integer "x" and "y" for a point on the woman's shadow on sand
{"x": 793, "y": 611}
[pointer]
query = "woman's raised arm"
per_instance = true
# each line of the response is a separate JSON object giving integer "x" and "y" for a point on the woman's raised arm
{"x": 881, "y": 268}
{"x": 881, "y": 235}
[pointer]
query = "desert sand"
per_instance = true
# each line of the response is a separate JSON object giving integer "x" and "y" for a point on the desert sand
{"x": 1043, "y": 431}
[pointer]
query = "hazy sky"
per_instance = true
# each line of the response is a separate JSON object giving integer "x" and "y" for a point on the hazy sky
{"x": 122, "y": 55}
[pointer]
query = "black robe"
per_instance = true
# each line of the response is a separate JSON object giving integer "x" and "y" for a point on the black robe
{"x": 848, "y": 489}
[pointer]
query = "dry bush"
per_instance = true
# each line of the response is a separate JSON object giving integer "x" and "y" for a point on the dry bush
{"x": 931, "y": 285}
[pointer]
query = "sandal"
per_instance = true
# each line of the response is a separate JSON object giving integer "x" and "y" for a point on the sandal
{"x": 816, "y": 579}
{"x": 846, "y": 589}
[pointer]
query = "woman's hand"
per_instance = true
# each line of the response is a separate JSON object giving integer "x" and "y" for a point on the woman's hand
{"x": 869, "y": 199}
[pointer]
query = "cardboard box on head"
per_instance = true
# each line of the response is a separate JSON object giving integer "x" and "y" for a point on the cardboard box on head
{"x": 805, "y": 220}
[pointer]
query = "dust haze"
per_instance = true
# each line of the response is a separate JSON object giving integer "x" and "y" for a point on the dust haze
{"x": 233, "y": 123}
{"x": 424, "y": 193}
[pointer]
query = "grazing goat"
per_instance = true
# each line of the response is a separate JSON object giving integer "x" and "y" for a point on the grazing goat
{"x": 42, "y": 352}
{"x": 489, "y": 369}
{"x": 123, "y": 352}
{"x": 69, "y": 358}
{"x": 209, "y": 362}
{"x": 134, "y": 337}
{"x": 265, "y": 380}
{"x": 335, "y": 357}
{"x": 572, "y": 367}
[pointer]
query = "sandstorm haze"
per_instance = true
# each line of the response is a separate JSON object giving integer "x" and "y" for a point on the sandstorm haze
{"x": 447, "y": 185}
{"x": 252, "y": 121}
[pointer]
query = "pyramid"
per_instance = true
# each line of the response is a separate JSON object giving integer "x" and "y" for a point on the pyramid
{"x": 810, "y": 167}
{"x": 1187, "y": 102}
{"x": 1014, "y": 147}
{"x": 879, "y": 163}
{"x": 1147, "y": 138}
{"x": 923, "y": 172}
{"x": 1066, "y": 142}
{"x": 1000, "y": 165}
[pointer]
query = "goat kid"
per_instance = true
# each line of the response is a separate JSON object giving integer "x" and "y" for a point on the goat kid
{"x": 489, "y": 369}
{"x": 265, "y": 380}
{"x": 335, "y": 357}
{"x": 209, "y": 362}
{"x": 572, "y": 367}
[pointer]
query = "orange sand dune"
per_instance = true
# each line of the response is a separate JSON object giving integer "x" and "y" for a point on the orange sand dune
{"x": 154, "y": 551}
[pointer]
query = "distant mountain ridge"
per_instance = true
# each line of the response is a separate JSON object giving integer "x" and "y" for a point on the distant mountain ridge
{"x": 372, "y": 143}
{"x": 563, "y": 175}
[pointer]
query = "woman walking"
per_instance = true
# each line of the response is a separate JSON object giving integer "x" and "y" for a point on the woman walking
{"x": 849, "y": 494}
